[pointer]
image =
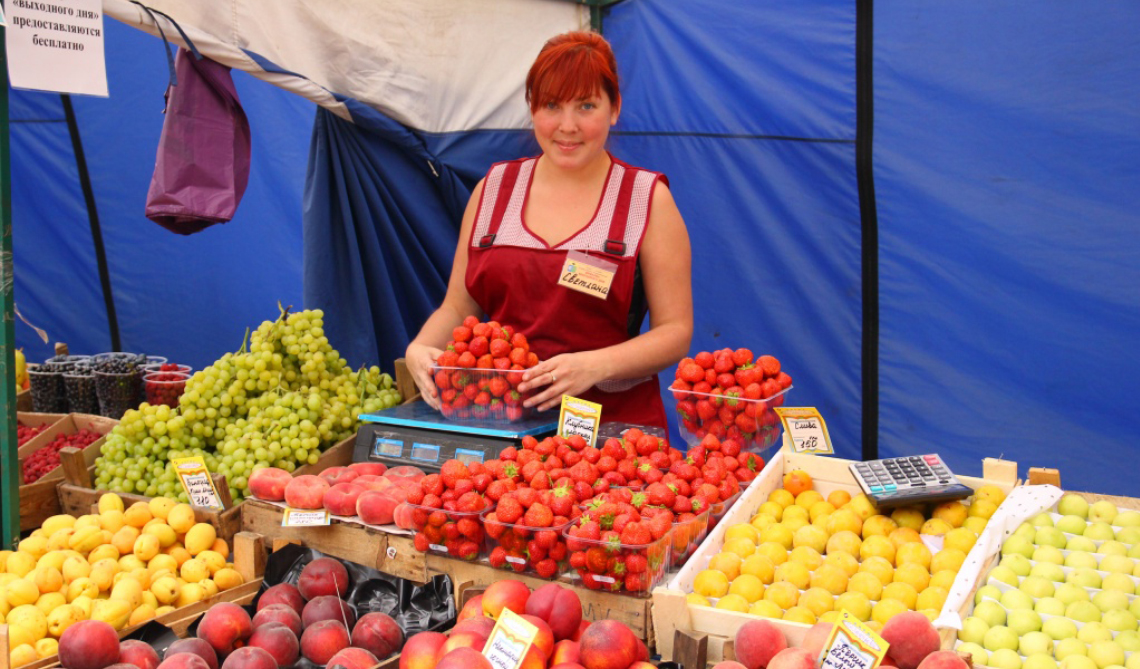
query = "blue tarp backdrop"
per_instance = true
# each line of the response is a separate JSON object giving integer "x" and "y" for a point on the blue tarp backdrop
{"x": 1006, "y": 188}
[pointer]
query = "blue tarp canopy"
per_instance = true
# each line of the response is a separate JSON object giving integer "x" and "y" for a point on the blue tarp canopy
{"x": 928, "y": 213}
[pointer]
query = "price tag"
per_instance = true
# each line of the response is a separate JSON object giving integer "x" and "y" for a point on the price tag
{"x": 509, "y": 641}
{"x": 579, "y": 417}
{"x": 806, "y": 429}
{"x": 852, "y": 645}
{"x": 197, "y": 482}
{"x": 305, "y": 517}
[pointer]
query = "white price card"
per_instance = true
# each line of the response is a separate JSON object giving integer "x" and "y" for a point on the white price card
{"x": 852, "y": 645}
{"x": 197, "y": 482}
{"x": 510, "y": 641}
{"x": 806, "y": 429}
{"x": 56, "y": 45}
{"x": 305, "y": 517}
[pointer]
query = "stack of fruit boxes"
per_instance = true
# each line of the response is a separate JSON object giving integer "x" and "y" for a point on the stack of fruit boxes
{"x": 673, "y": 613}
{"x": 38, "y": 500}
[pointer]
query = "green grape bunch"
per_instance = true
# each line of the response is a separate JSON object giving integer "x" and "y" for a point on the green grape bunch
{"x": 281, "y": 400}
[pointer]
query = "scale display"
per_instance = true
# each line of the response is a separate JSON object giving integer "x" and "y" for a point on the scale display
{"x": 392, "y": 448}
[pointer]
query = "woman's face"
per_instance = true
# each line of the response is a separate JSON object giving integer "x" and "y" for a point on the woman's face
{"x": 573, "y": 133}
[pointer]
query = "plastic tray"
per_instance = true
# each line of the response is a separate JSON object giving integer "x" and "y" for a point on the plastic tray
{"x": 756, "y": 421}
{"x": 485, "y": 396}
{"x": 458, "y": 534}
{"x": 520, "y": 549}
{"x": 617, "y": 567}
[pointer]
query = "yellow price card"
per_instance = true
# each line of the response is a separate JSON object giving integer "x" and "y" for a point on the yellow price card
{"x": 579, "y": 417}
{"x": 510, "y": 641}
{"x": 852, "y": 645}
{"x": 197, "y": 482}
{"x": 806, "y": 429}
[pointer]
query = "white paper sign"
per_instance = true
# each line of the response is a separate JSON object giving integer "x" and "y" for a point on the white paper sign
{"x": 304, "y": 517}
{"x": 57, "y": 45}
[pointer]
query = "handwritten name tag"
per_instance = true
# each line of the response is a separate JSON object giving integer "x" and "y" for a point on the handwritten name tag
{"x": 587, "y": 274}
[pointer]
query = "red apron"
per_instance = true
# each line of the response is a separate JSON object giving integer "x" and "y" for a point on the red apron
{"x": 513, "y": 275}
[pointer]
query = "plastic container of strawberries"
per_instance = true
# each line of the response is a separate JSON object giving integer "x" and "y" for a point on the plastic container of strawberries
{"x": 518, "y": 548}
{"x": 480, "y": 396}
{"x": 718, "y": 509}
{"x": 628, "y": 569}
{"x": 457, "y": 534}
{"x": 755, "y": 421}
{"x": 687, "y": 536}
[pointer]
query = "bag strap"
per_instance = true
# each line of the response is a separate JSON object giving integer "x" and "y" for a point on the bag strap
{"x": 166, "y": 42}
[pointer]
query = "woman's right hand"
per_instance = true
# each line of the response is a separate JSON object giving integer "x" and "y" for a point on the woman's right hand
{"x": 420, "y": 359}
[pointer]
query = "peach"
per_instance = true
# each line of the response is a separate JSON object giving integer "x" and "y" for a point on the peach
{"x": 335, "y": 475}
{"x": 608, "y": 644}
{"x": 306, "y": 492}
{"x": 379, "y": 507}
{"x": 566, "y": 651}
{"x": 473, "y": 640}
{"x": 944, "y": 659}
{"x": 277, "y": 640}
{"x": 354, "y": 658}
{"x": 138, "y": 653}
{"x": 269, "y": 483}
{"x": 534, "y": 659}
{"x": 278, "y": 613}
{"x": 544, "y": 640}
{"x": 642, "y": 665}
{"x": 483, "y": 625}
{"x": 327, "y": 607}
{"x": 472, "y": 609}
{"x": 323, "y": 576}
{"x": 183, "y": 661}
{"x": 369, "y": 482}
{"x": 250, "y": 657}
{"x": 225, "y": 627}
{"x": 324, "y": 639}
{"x": 463, "y": 658}
{"x": 816, "y": 637}
{"x": 408, "y": 472}
{"x": 378, "y": 634}
{"x": 573, "y": 665}
{"x": 369, "y": 468}
{"x": 792, "y": 658}
{"x": 282, "y": 593}
{"x": 420, "y": 650}
{"x": 194, "y": 647}
{"x": 89, "y": 644}
{"x": 506, "y": 594}
{"x": 559, "y": 607}
{"x": 911, "y": 637}
{"x": 757, "y": 642}
{"x": 340, "y": 500}
{"x": 729, "y": 664}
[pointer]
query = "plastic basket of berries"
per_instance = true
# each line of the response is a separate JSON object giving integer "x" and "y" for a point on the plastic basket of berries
{"x": 529, "y": 538}
{"x": 620, "y": 543}
{"x": 445, "y": 511}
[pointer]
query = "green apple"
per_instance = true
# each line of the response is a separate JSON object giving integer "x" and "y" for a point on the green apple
{"x": 999, "y": 636}
{"x": 1134, "y": 608}
{"x": 1016, "y": 599}
{"x": 1134, "y": 551}
{"x": 1005, "y": 658}
{"x": 1069, "y": 646}
{"x": 1113, "y": 547}
{"x": 1071, "y": 524}
{"x": 1075, "y": 505}
{"x": 1038, "y": 586}
{"x": 1080, "y": 559}
{"x": 1060, "y": 628}
{"x": 1133, "y": 661}
{"x": 1041, "y": 520}
{"x": 1117, "y": 563}
{"x": 1094, "y": 631}
{"x": 1129, "y": 640}
{"x": 1040, "y": 661}
{"x": 1018, "y": 544}
{"x": 1005, "y": 574}
{"x": 1081, "y": 543}
{"x": 1101, "y": 531}
{"x": 987, "y": 591}
{"x": 1130, "y": 536}
{"x": 1024, "y": 531}
{"x": 1049, "y": 554}
{"x": 1050, "y": 536}
{"x": 1084, "y": 577}
{"x": 1111, "y": 600}
{"x": 1049, "y": 606}
{"x": 1103, "y": 511}
{"x": 976, "y": 652}
{"x": 1048, "y": 571}
{"x": 1018, "y": 563}
{"x": 1023, "y": 621}
{"x": 1077, "y": 662}
{"x": 1082, "y": 612}
{"x": 1127, "y": 519}
{"x": 1069, "y": 593}
{"x": 973, "y": 630}
{"x": 1120, "y": 583}
{"x": 1034, "y": 643}
{"x": 992, "y": 613}
{"x": 1106, "y": 653}
{"x": 1119, "y": 620}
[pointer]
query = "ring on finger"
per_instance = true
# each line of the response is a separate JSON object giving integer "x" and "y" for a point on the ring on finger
{"x": 553, "y": 379}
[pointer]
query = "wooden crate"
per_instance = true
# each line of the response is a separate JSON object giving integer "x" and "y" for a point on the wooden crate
{"x": 673, "y": 614}
{"x": 395, "y": 554}
{"x": 249, "y": 560}
{"x": 24, "y": 400}
{"x": 39, "y": 500}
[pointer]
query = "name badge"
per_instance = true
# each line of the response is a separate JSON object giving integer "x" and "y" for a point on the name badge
{"x": 587, "y": 274}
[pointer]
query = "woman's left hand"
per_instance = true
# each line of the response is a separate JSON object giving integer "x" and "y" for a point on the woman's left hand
{"x": 566, "y": 374}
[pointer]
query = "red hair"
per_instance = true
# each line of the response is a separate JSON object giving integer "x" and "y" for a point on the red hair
{"x": 572, "y": 66}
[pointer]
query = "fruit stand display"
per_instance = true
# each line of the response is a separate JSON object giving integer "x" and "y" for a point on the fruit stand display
{"x": 722, "y": 586}
{"x": 1062, "y": 591}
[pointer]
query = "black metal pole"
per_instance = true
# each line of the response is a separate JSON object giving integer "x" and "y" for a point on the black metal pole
{"x": 868, "y": 214}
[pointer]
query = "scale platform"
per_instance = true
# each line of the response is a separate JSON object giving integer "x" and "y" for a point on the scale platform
{"x": 418, "y": 435}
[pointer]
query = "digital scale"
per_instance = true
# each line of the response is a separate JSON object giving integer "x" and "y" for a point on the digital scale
{"x": 418, "y": 435}
{"x": 915, "y": 479}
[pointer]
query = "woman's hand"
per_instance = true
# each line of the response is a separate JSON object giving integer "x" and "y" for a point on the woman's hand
{"x": 420, "y": 359}
{"x": 568, "y": 374}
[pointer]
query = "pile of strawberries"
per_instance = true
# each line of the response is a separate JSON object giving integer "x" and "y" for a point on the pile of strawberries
{"x": 480, "y": 369}
{"x": 45, "y": 459}
{"x": 447, "y": 508}
{"x": 24, "y": 433}
{"x": 727, "y": 395}
{"x": 526, "y": 529}
{"x": 620, "y": 543}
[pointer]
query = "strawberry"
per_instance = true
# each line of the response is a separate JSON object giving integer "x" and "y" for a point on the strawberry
{"x": 509, "y": 509}
{"x": 420, "y": 542}
{"x": 690, "y": 373}
{"x": 704, "y": 359}
{"x": 741, "y": 357}
{"x": 492, "y": 526}
{"x": 659, "y": 494}
{"x": 597, "y": 559}
{"x": 578, "y": 560}
{"x": 636, "y": 534}
{"x": 636, "y": 563}
{"x": 562, "y": 501}
{"x": 546, "y": 568}
{"x": 498, "y": 557}
{"x": 500, "y": 348}
{"x": 432, "y": 484}
{"x": 470, "y": 502}
{"x": 538, "y": 515}
{"x": 527, "y": 496}
{"x": 636, "y": 582}
{"x": 466, "y": 360}
{"x": 461, "y": 333}
{"x": 769, "y": 364}
{"x": 660, "y": 523}
{"x": 546, "y": 539}
{"x": 509, "y": 453}
{"x": 557, "y": 552}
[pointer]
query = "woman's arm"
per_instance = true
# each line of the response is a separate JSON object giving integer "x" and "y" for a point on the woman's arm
{"x": 457, "y": 305}
{"x": 666, "y": 267}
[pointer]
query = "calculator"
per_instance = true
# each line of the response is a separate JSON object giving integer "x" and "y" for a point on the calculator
{"x": 914, "y": 479}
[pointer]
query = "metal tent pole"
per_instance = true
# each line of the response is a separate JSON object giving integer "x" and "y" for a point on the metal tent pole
{"x": 9, "y": 459}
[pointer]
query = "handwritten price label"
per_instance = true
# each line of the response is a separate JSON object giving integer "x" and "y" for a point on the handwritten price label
{"x": 806, "y": 429}
{"x": 852, "y": 645}
{"x": 197, "y": 482}
{"x": 509, "y": 641}
{"x": 579, "y": 417}
{"x": 305, "y": 518}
